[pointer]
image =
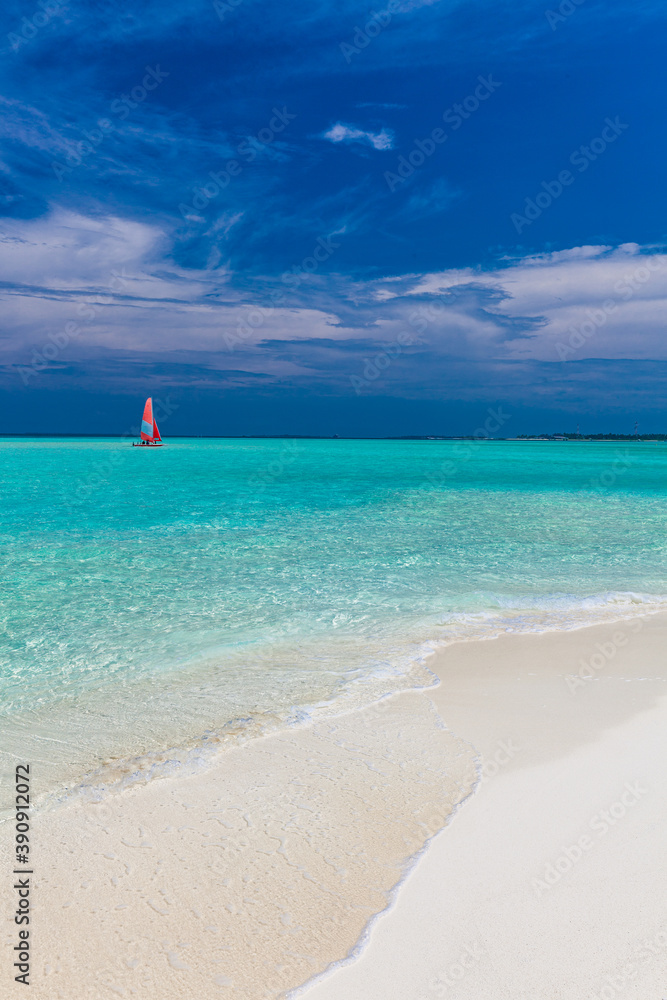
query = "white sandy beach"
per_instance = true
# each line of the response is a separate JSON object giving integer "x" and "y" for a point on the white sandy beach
{"x": 253, "y": 876}
{"x": 246, "y": 878}
{"x": 551, "y": 883}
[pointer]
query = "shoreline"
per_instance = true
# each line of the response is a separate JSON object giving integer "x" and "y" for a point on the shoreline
{"x": 549, "y": 885}
{"x": 334, "y": 824}
{"x": 252, "y": 875}
{"x": 126, "y": 748}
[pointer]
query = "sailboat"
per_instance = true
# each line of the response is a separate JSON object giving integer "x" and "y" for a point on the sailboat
{"x": 150, "y": 435}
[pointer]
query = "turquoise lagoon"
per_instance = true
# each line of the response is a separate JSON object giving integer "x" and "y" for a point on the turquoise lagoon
{"x": 159, "y": 602}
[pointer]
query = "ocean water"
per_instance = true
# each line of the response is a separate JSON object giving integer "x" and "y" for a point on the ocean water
{"x": 159, "y": 602}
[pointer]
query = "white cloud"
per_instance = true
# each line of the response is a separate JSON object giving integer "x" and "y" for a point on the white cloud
{"x": 349, "y": 133}
{"x": 584, "y": 302}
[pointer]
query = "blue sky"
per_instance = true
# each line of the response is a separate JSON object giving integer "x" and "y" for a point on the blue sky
{"x": 333, "y": 218}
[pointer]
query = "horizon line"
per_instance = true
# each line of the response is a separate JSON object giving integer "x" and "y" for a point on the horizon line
{"x": 561, "y": 437}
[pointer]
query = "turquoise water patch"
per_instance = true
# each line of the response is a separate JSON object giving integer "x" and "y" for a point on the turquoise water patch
{"x": 154, "y": 596}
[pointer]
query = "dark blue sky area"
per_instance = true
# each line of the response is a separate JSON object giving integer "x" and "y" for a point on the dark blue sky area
{"x": 245, "y": 202}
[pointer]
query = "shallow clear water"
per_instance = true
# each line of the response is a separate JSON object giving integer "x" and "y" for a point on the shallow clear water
{"x": 167, "y": 597}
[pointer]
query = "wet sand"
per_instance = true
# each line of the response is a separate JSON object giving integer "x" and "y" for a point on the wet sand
{"x": 249, "y": 877}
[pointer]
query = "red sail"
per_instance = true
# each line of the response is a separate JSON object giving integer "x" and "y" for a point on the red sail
{"x": 156, "y": 433}
{"x": 148, "y": 425}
